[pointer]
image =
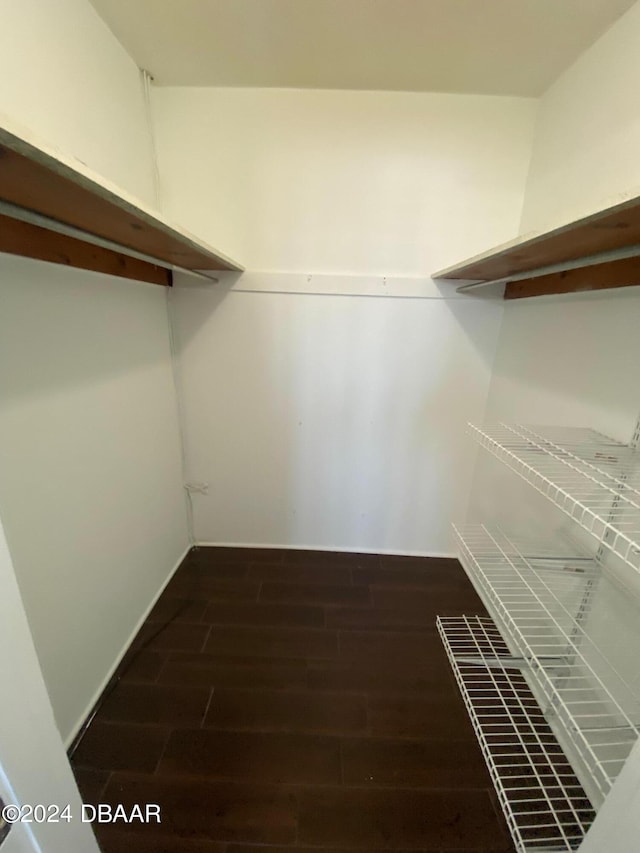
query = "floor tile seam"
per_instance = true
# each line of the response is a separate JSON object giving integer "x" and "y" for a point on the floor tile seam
{"x": 206, "y": 639}
{"x": 162, "y": 753}
{"x": 387, "y": 692}
{"x": 172, "y": 777}
{"x": 338, "y": 735}
{"x": 133, "y": 723}
{"x": 206, "y": 710}
{"x": 103, "y": 787}
{"x": 261, "y": 624}
{"x": 294, "y": 787}
{"x": 318, "y": 629}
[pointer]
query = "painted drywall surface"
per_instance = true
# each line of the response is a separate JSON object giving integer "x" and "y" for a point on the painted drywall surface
{"x": 566, "y": 360}
{"x": 33, "y": 763}
{"x": 330, "y": 419}
{"x": 67, "y": 80}
{"x": 343, "y": 182}
{"x": 90, "y": 474}
{"x": 585, "y": 153}
{"x": 570, "y": 359}
{"x": 319, "y": 416}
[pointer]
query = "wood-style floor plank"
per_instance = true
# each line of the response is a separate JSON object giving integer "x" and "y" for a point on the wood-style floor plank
{"x": 210, "y": 810}
{"x": 373, "y": 818}
{"x": 287, "y": 711}
{"x": 294, "y": 702}
{"x": 254, "y": 756}
{"x": 273, "y": 642}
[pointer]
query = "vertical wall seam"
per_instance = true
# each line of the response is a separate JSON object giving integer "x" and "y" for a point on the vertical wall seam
{"x": 532, "y": 153}
{"x": 146, "y": 96}
{"x": 175, "y": 372}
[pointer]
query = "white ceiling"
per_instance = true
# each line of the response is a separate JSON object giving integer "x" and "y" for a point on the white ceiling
{"x": 515, "y": 47}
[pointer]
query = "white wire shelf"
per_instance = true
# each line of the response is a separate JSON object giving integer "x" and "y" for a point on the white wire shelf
{"x": 549, "y": 610}
{"x": 592, "y": 478}
{"x": 545, "y": 806}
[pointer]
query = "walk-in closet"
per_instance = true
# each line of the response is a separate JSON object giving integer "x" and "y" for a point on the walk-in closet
{"x": 319, "y": 426}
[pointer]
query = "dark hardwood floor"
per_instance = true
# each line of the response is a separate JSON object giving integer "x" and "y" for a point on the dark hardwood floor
{"x": 295, "y": 701}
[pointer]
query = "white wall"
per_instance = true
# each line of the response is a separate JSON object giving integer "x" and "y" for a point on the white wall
{"x": 567, "y": 360}
{"x": 90, "y": 479}
{"x": 67, "y": 80}
{"x": 570, "y": 359}
{"x": 321, "y": 414}
{"x": 331, "y": 419}
{"x": 585, "y": 154}
{"x": 343, "y": 182}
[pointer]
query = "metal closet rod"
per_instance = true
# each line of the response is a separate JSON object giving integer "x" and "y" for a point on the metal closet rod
{"x": 30, "y": 216}
{"x": 565, "y": 266}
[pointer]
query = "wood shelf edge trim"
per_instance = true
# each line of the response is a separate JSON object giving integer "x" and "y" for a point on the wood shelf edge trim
{"x": 609, "y": 229}
{"x": 48, "y": 175}
{"x": 613, "y": 274}
{"x": 32, "y": 241}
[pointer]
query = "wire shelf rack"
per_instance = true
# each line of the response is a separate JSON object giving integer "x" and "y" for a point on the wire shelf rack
{"x": 546, "y": 609}
{"x": 545, "y": 806}
{"x": 594, "y": 479}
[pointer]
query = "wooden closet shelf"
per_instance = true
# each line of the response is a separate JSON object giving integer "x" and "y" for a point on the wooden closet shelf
{"x": 44, "y": 183}
{"x": 613, "y": 230}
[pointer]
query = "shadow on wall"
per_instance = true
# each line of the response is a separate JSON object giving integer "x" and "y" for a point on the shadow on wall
{"x": 331, "y": 421}
{"x": 233, "y": 370}
{"x": 90, "y": 476}
{"x": 570, "y": 360}
{"x": 66, "y": 327}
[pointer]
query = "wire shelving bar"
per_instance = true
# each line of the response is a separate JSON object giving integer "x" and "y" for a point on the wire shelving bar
{"x": 545, "y": 806}
{"x": 593, "y": 479}
{"x": 543, "y": 607}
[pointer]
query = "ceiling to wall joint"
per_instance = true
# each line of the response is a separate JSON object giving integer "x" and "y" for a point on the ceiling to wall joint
{"x": 491, "y": 47}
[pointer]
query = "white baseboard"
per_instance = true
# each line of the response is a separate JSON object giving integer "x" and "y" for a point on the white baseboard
{"x": 270, "y": 545}
{"x": 69, "y": 740}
